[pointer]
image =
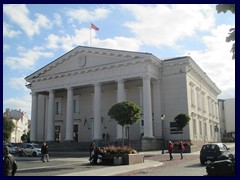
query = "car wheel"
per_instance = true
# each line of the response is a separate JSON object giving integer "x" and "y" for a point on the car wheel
{"x": 34, "y": 154}
{"x": 202, "y": 162}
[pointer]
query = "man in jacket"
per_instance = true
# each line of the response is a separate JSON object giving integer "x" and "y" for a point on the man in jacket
{"x": 9, "y": 163}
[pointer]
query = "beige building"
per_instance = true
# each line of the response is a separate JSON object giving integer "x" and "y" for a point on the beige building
{"x": 227, "y": 119}
{"x": 71, "y": 97}
{"x": 21, "y": 121}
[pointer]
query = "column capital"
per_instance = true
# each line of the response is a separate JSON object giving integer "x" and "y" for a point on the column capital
{"x": 69, "y": 88}
{"x": 34, "y": 93}
{"x": 146, "y": 77}
{"x": 97, "y": 84}
{"x": 120, "y": 80}
{"x": 51, "y": 90}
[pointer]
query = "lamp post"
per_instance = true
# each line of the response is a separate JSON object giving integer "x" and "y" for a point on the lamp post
{"x": 163, "y": 140}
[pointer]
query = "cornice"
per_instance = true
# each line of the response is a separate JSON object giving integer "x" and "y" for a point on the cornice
{"x": 94, "y": 69}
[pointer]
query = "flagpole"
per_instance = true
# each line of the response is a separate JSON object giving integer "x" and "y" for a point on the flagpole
{"x": 90, "y": 42}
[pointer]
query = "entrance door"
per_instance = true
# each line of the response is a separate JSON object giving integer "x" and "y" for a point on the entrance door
{"x": 57, "y": 133}
{"x": 75, "y": 132}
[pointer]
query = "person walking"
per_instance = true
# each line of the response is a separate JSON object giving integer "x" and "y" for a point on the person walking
{"x": 91, "y": 150}
{"x": 170, "y": 149}
{"x": 44, "y": 151}
{"x": 181, "y": 148}
{"x": 9, "y": 163}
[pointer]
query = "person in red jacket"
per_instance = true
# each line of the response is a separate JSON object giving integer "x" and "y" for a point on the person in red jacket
{"x": 170, "y": 149}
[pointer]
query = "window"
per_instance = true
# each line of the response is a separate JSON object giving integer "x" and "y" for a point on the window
{"x": 174, "y": 129}
{"x": 74, "y": 106}
{"x": 205, "y": 129}
{"x": 194, "y": 127}
{"x": 76, "y": 103}
{"x": 200, "y": 128}
{"x": 57, "y": 107}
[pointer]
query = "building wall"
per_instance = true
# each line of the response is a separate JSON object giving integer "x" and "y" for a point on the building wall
{"x": 177, "y": 86}
{"x": 227, "y": 118}
{"x": 21, "y": 121}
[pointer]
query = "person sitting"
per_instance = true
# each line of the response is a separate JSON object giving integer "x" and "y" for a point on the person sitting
{"x": 98, "y": 153}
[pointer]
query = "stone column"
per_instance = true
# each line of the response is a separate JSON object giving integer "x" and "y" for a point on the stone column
{"x": 69, "y": 119}
{"x": 97, "y": 112}
{"x": 33, "y": 135}
{"x": 121, "y": 96}
{"x": 50, "y": 123}
{"x": 147, "y": 108}
{"x": 157, "y": 108}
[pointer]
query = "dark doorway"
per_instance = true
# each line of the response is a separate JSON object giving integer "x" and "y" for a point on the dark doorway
{"x": 57, "y": 133}
{"x": 75, "y": 132}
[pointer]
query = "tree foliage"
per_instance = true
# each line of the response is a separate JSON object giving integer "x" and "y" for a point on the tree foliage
{"x": 125, "y": 113}
{"x": 26, "y": 137}
{"x": 223, "y": 8}
{"x": 8, "y": 128}
{"x": 182, "y": 120}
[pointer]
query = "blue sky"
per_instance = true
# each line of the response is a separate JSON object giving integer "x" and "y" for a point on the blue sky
{"x": 35, "y": 35}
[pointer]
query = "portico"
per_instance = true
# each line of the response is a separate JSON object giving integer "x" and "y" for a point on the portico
{"x": 71, "y": 96}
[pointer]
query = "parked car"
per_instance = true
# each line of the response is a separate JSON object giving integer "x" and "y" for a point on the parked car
{"x": 29, "y": 149}
{"x": 12, "y": 149}
{"x": 224, "y": 167}
{"x": 213, "y": 152}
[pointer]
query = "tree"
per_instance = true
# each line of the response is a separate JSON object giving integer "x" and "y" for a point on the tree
{"x": 181, "y": 121}
{"x": 8, "y": 128}
{"x": 26, "y": 137}
{"x": 231, "y": 35}
{"x": 125, "y": 113}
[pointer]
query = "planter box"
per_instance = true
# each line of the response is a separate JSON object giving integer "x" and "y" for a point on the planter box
{"x": 122, "y": 159}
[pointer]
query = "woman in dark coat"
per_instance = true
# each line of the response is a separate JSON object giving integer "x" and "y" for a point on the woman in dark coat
{"x": 181, "y": 148}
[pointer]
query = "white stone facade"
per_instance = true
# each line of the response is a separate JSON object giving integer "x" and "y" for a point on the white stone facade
{"x": 21, "y": 121}
{"x": 72, "y": 95}
{"x": 227, "y": 118}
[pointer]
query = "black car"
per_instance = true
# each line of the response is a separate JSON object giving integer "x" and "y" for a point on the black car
{"x": 213, "y": 152}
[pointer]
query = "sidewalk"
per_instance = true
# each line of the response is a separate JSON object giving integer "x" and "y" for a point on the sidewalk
{"x": 113, "y": 170}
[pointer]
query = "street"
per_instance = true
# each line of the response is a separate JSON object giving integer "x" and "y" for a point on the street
{"x": 78, "y": 165}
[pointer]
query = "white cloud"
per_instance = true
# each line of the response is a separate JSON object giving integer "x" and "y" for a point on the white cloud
{"x": 23, "y": 103}
{"x": 82, "y": 37}
{"x": 6, "y": 47}
{"x": 18, "y": 83}
{"x": 166, "y": 24}
{"x": 9, "y": 32}
{"x": 26, "y": 60}
{"x": 57, "y": 19}
{"x": 121, "y": 43}
{"x": 216, "y": 60}
{"x": 19, "y": 14}
{"x": 84, "y": 15}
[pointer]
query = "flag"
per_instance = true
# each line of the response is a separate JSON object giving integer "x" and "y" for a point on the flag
{"x": 94, "y": 27}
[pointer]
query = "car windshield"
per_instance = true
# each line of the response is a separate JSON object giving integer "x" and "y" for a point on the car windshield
{"x": 210, "y": 147}
{"x": 35, "y": 146}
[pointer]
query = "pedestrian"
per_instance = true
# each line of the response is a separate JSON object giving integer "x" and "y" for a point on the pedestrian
{"x": 9, "y": 163}
{"x": 181, "y": 148}
{"x": 170, "y": 149}
{"x": 91, "y": 150}
{"x": 44, "y": 151}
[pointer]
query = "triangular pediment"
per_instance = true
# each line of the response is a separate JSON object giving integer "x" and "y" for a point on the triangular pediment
{"x": 84, "y": 58}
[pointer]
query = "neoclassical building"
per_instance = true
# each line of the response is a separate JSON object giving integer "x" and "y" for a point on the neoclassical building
{"x": 71, "y": 97}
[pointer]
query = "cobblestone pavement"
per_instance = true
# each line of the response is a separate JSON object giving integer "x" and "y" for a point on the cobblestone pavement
{"x": 164, "y": 159}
